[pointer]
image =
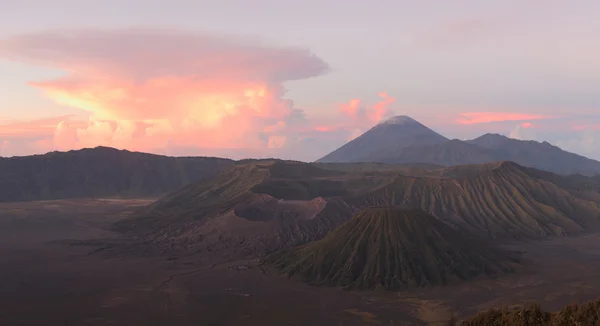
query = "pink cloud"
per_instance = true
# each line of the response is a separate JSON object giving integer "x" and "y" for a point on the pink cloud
{"x": 150, "y": 89}
{"x": 277, "y": 141}
{"x": 142, "y": 54}
{"x": 280, "y": 125}
{"x": 29, "y": 129}
{"x": 586, "y": 127}
{"x": 357, "y": 111}
{"x": 22, "y": 147}
{"x": 524, "y": 131}
{"x": 380, "y": 109}
{"x": 355, "y": 118}
{"x": 351, "y": 109}
{"x": 527, "y": 125}
{"x": 325, "y": 128}
{"x": 469, "y": 118}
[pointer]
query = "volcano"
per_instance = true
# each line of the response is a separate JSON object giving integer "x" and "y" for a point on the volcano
{"x": 386, "y": 139}
{"x": 393, "y": 248}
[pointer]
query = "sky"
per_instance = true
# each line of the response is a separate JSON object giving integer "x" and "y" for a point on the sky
{"x": 293, "y": 79}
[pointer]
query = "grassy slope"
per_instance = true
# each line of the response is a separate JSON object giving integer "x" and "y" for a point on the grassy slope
{"x": 392, "y": 248}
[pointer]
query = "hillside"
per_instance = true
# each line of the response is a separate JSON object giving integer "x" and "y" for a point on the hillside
{"x": 402, "y": 140}
{"x": 409, "y": 168}
{"x": 500, "y": 200}
{"x": 543, "y": 156}
{"x": 247, "y": 210}
{"x": 391, "y": 248}
{"x": 254, "y": 208}
{"x": 450, "y": 153}
{"x": 100, "y": 172}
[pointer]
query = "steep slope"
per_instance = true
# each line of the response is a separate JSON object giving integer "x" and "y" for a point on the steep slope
{"x": 100, "y": 172}
{"x": 248, "y": 210}
{"x": 262, "y": 206}
{"x": 542, "y": 156}
{"x": 375, "y": 166}
{"x": 499, "y": 200}
{"x": 402, "y": 140}
{"x": 392, "y": 248}
{"x": 387, "y": 138}
{"x": 453, "y": 152}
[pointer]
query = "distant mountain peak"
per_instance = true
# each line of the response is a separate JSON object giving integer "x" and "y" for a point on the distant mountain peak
{"x": 490, "y": 140}
{"x": 105, "y": 149}
{"x": 385, "y": 139}
{"x": 399, "y": 120}
{"x": 493, "y": 135}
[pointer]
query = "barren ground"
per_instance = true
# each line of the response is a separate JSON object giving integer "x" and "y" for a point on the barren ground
{"x": 60, "y": 265}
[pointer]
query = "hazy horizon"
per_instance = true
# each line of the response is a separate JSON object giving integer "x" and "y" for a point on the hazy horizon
{"x": 293, "y": 80}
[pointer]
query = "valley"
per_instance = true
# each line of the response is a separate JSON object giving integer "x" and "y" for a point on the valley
{"x": 63, "y": 265}
{"x": 108, "y": 237}
{"x": 256, "y": 208}
{"x": 299, "y": 163}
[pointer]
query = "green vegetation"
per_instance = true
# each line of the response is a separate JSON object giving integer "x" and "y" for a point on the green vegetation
{"x": 587, "y": 314}
{"x": 391, "y": 248}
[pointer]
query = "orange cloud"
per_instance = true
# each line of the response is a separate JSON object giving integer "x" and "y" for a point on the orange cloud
{"x": 280, "y": 125}
{"x": 527, "y": 125}
{"x": 22, "y": 147}
{"x": 356, "y": 117}
{"x": 324, "y": 128}
{"x": 29, "y": 129}
{"x": 585, "y": 126}
{"x": 468, "y": 118}
{"x": 277, "y": 141}
{"x": 151, "y": 89}
{"x": 351, "y": 109}
{"x": 380, "y": 110}
{"x": 524, "y": 131}
{"x": 370, "y": 114}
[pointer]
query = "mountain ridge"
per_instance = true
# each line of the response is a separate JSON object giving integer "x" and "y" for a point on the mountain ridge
{"x": 432, "y": 148}
{"x": 253, "y": 208}
{"x": 100, "y": 172}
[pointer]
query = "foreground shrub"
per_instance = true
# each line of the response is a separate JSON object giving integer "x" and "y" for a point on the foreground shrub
{"x": 587, "y": 314}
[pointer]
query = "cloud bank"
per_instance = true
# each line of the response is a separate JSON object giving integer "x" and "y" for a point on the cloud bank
{"x": 469, "y": 118}
{"x": 155, "y": 90}
{"x": 524, "y": 131}
{"x": 182, "y": 93}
